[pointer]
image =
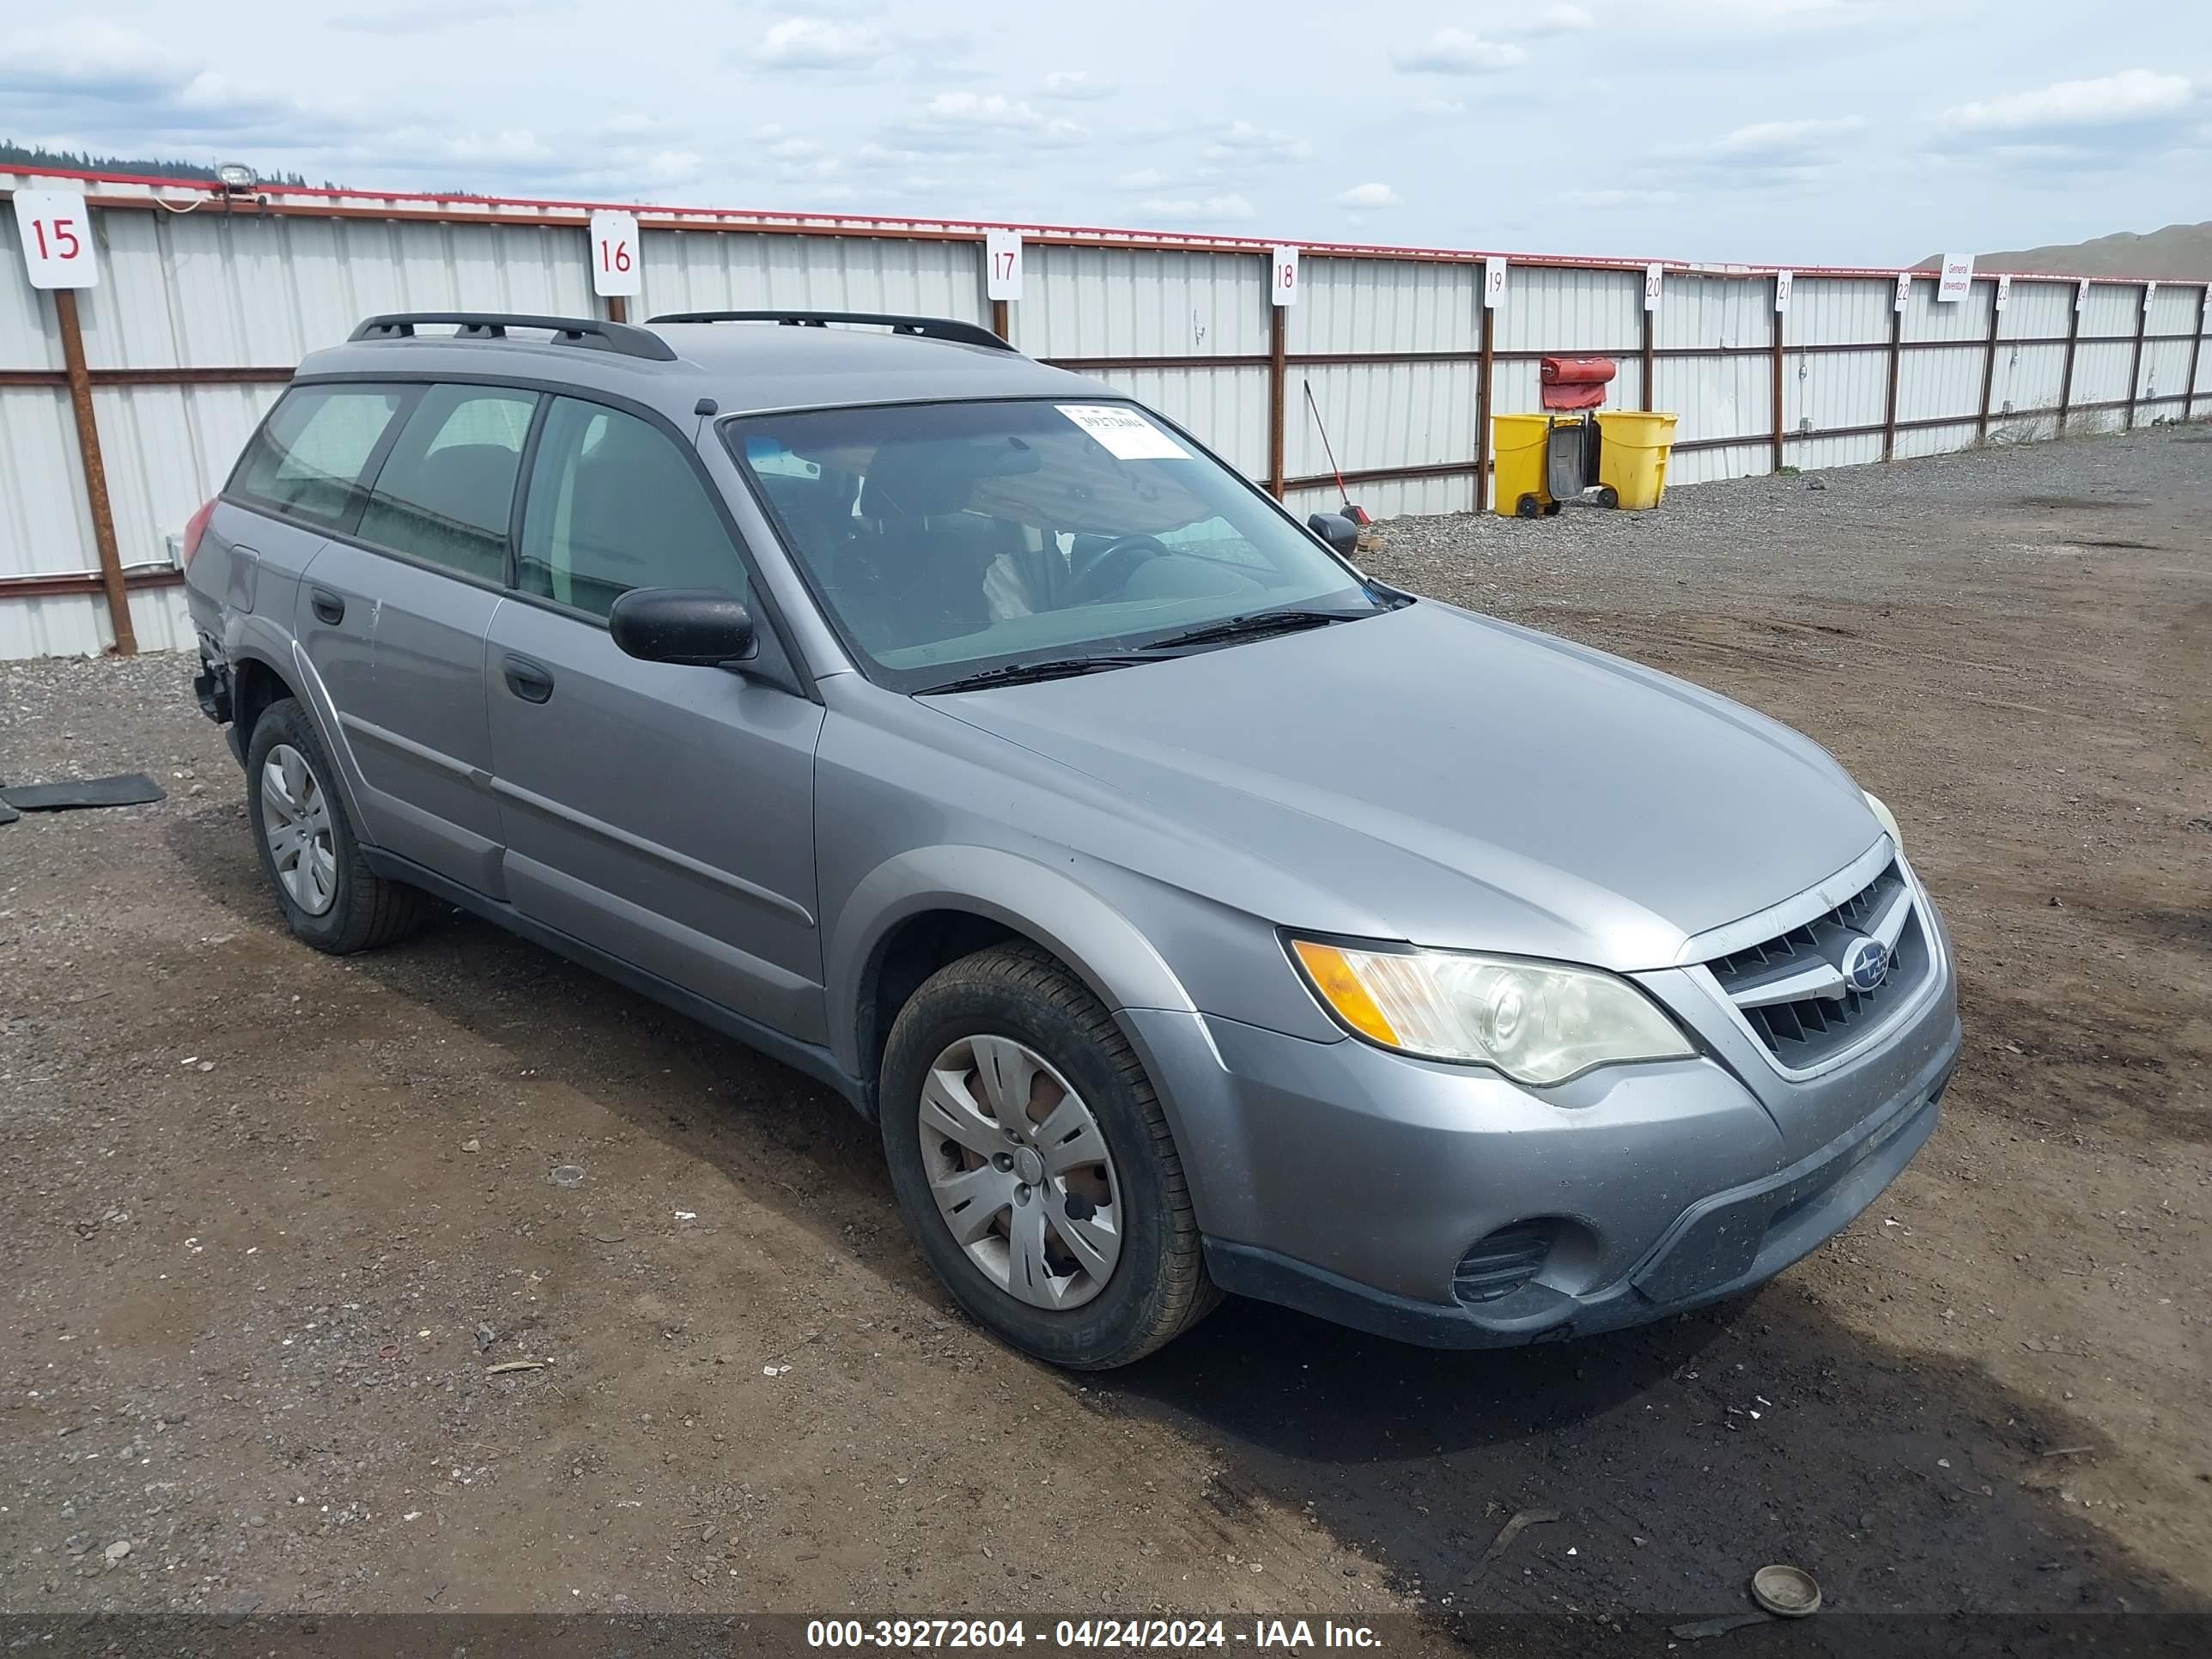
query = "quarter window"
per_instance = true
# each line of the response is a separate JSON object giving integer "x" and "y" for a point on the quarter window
{"x": 309, "y": 457}
{"x": 614, "y": 505}
{"x": 445, "y": 492}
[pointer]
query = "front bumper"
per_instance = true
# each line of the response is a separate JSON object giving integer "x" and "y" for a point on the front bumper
{"x": 1351, "y": 1184}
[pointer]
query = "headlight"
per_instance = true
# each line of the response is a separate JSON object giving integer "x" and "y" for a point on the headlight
{"x": 1537, "y": 1021}
{"x": 1886, "y": 818}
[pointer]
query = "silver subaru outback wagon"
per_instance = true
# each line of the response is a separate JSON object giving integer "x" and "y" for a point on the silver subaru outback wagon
{"x": 1193, "y": 912}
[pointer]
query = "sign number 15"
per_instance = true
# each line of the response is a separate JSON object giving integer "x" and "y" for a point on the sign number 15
{"x": 57, "y": 237}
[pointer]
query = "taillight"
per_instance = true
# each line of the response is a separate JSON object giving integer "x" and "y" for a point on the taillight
{"x": 194, "y": 527}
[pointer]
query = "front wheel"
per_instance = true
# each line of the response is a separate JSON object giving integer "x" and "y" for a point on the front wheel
{"x": 1034, "y": 1166}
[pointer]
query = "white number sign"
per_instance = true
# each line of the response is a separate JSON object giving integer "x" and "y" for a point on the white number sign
{"x": 1493, "y": 281}
{"x": 2081, "y": 294}
{"x": 1653, "y": 276}
{"x": 1958, "y": 278}
{"x": 1781, "y": 280}
{"x": 2150, "y": 289}
{"x": 1002, "y": 265}
{"x": 1904, "y": 290}
{"x": 57, "y": 235}
{"x": 1283, "y": 277}
{"x": 2005, "y": 291}
{"x": 616, "y": 268}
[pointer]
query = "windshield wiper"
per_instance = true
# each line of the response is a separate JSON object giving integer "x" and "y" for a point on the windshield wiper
{"x": 1256, "y": 622}
{"x": 1022, "y": 673}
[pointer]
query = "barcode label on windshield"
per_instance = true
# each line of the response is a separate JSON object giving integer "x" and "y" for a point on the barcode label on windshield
{"x": 1126, "y": 434}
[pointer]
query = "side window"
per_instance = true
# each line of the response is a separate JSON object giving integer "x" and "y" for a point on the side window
{"x": 445, "y": 492}
{"x": 308, "y": 459}
{"x": 613, "y": 505}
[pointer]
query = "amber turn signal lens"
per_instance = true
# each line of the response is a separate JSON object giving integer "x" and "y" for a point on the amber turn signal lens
{"x": 1340, "y": 987}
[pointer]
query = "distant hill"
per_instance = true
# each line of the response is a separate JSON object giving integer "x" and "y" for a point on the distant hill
{"x": 2178, "y": 253}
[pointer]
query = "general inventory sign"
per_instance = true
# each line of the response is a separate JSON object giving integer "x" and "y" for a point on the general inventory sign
{"x": 1958, "y": 278}
{"x": 56, "y": 232}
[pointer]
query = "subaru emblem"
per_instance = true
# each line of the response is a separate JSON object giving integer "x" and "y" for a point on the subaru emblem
{"x": 1866, "y": 964}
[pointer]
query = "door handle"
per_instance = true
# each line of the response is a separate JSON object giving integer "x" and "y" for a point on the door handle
{"x": 328, "y": 606}
{"x": 528, "y": 680}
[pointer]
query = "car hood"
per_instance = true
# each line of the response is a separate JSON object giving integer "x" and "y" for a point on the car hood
{"x": 1435, "y": 775}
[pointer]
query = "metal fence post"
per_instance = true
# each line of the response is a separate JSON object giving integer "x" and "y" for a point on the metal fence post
{"x": 1650, "y": 358}
{"x": 2195, "y": 348}
{"x": 2135, "y": 362}
{"x": 2066, "y": 374}
{"x": 1278, "y": 397}
{"x": 1482, "y": 406}
{"x": 1989, "y": 367}
{"x": 96, "y": 473}
{"x": 1896, "y": 361}
{"x": 1779, "y": 314}
{"x": 1002, "y": 320}
{"x": 617, "y": 308}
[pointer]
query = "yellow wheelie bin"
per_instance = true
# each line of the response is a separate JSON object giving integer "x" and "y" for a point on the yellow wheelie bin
{"x": 1632, "y": 454}
{"x": 1517, "y": 446}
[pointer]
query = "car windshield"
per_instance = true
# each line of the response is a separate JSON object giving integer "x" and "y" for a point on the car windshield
{"x": 946, "y": 539}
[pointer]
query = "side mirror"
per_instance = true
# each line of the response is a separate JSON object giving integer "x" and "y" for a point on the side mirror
{"x": 1339, "y": 532}
{"x": 700, "y": 627}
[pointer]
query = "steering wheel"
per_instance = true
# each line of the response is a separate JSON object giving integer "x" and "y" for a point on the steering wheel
{"x": 1087, "y": 580}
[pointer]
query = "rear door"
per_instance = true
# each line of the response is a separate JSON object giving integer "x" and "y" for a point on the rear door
{"x": 663, "y": 814}
{"x": 419, "y": 579}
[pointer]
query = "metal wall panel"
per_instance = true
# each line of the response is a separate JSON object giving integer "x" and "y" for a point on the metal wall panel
{"x": 1837, "y": 310}
{"x": 1699, "y": 310}
{"x": 2173, "y": 308}
{"x": 1112, "y": 302}
{"x": 168, "y": 449}
{"x": 45, "y": 526}
{"x": 1927, "y": 317}
{"x": 2037, "y": 311}
{"x": 1746, "y": 459}
{"x": 1392, "y": 498}
{"x": 1385, "y": 305}
{"x": 2111, "y": 309}
{"x": 1812, "y": 455}
{"x": 1822, "y": 390}
{"x": 1936, "y": 384}
{"x": 724, "y": 270}
{"x": 2164, "y": 374}
{"x": 2027, "y": 376}
{"x": 2100, "y": 371}
{"x": 29, "y": 336}
{"x": 1592, "y": 312}
{"x": 1935, "y": 440}
{"x": 1380, "y": 415}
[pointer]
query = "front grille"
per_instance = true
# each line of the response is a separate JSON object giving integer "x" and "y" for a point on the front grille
{"x": 1500, "y": 1263}
{"x": 1805, "y": 1030}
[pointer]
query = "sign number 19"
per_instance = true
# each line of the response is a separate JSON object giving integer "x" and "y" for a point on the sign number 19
{"x": 56, "y": 238}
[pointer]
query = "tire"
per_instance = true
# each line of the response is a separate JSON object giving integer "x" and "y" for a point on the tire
{"x": 1607, "y": 496}
{"x": 1017, "y": 996}
{"x": 363, "y": 910}
{"x": 1528, "y": 507}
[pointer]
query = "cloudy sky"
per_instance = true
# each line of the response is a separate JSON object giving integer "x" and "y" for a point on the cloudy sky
{"x": 1790, "y": 131}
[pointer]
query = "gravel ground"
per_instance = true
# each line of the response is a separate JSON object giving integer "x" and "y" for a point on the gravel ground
{"x": 273, "y": 1216}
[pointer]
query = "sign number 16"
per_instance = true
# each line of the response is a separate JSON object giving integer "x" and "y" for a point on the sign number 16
{"x": 615, "y": 267}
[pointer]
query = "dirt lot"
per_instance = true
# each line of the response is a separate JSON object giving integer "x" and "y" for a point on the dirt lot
{"x": 271, "y": 1217}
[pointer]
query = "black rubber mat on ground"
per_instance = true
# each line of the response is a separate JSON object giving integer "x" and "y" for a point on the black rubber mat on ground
{"x": 131, "y": 789}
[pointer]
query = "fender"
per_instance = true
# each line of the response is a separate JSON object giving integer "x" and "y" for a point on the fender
{"x": 254, "y": 638}
{"x": 1102, "y": 946}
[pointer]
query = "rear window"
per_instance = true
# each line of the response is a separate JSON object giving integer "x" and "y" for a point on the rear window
{"x": 309, "y": 459}
{"x": 445, "y": 492}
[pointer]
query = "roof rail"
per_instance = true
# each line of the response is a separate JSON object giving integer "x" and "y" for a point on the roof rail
{"x": 935, "y": 328}
{"x": 587, "y": 331}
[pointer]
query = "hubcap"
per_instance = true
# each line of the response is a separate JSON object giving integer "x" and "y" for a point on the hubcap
{"x": 1019, "y": 1170}
{"x": 296, "y": 821}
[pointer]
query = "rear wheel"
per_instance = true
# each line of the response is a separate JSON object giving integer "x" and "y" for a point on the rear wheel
{"x": 1528, "y": 506}
{"x": 1034, "y": 1166}
{"x": 330, "y": 897}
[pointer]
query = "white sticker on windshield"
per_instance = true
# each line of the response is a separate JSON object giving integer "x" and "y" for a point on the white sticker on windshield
{"x": 1126, "y": 434}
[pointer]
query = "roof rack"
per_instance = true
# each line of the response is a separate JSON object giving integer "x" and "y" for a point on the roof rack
{"x": 586, "y": 332}
{"x": 935, "y": 328}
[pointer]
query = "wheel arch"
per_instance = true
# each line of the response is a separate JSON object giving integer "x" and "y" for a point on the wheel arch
{"x": 917, "y": 911}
